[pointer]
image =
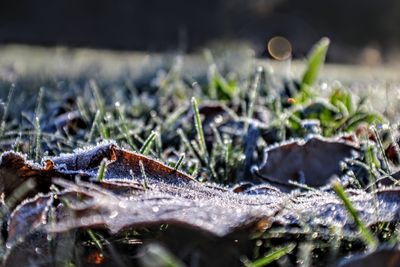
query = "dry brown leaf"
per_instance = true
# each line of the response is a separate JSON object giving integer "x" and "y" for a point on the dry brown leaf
{"x": 15, "y": 169}
{"x": 30, "y": 215}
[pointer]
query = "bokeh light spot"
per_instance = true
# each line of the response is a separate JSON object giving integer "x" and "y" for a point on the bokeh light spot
{"x": 279, "y": 48}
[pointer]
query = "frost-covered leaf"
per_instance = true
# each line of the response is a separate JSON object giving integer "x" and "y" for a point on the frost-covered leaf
{"x": 312, "y": 162}
{"x": 15, "y": 169}
{"x": 127, "y": 199}
{"x": 219, "y": 211}
{"x": 29, "y": 216}
{"x": 204, "y": 207}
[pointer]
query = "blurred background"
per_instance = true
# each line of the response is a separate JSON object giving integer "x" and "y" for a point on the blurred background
{"x": 361, "y": 31}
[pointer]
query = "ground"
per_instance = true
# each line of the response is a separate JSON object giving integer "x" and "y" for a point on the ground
{"x": 215, "y": 159}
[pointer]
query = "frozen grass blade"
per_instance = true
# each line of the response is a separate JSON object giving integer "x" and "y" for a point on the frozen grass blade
{"x": 93, "y": 128}
{"x": 144, "y": 176}
{"x": 252, "y": 97}
{"x": 82, "y": 109}
{"x": 124, "y": 128}
{"x": 158, "y": 143}
{"x": 5, "y": 113}
{"x": 199, "y": 127}
{"x": 271, "y": 257}
{"x": 38, "y": 113}
{"x": 100, "y": 126}
{"x": 179, "y": 162}
{"x": 366, "y": 235}
{"x": 382, "y": 150}
{"x": 147, "y": 143}
{"x": 98, "y": 98}
{"x": 195, "y": 171}
{"x": 38, "y": 109}
{"x": 37, "y": 139}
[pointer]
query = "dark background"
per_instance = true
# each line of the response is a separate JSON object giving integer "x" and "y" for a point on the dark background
{"x": 354, "y": 26}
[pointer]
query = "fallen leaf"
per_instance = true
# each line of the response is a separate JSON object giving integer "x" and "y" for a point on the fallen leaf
{"x": 15, "y": 169}
{"x": 29, "y": 216}
{"x": 121, "y": 202}
{"x": 204, "y": 207}
{"x": 312, "y": 162}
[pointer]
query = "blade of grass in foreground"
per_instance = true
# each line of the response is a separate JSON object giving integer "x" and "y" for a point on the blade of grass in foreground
{"x": 273, "y": 256}
{"x": 366, "y": 235}
{"x": 179, "y": 162}
{"x": 5, "y": 111}
{"x": 315, "y": 60}
{"x": 147, "y": 143}
{"x": 38, "y": 131}
{"x": 102, "y": 170}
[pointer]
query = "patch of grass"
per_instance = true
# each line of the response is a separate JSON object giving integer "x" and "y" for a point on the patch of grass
{"x": 158, "y": 114}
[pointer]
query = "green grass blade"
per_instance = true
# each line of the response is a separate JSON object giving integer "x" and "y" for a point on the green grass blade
{"x": 94, "y": 124}
{"x": 95, "y": 240}
{"x": 316, "y": 59}
{"x": 147, "y": 143}
{"x": 366, "y": 235}
{"x": 102, "y": 170}
{"x": 144, "y": 176}
{"x": 179, "y": 162}
{"x": 271, "y": 257}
